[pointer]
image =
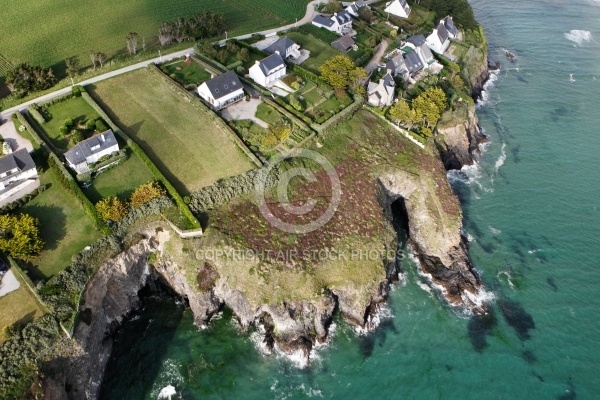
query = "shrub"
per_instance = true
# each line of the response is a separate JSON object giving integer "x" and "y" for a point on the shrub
{"x": 63, "y": 130}
{"x": 101, "y": 125}
{"x": 34, "y": 110}
{"x": 144, "y": 193}
{"x": 76, "y": 136}
{"x": 69, "y": 123}
{"x": 76, "y": 90}
{"x": 112, "y": 209}
{"x": 90, "y": 124}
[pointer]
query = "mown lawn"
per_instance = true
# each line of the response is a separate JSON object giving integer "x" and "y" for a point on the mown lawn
{"x": 48, "y": 31}
{"x": 18, "y": 307}
{"x": 319, "y": 50}
{"x": 64, "y": 226}
{"x": 184, "y": 141}
{"x": 75, "y": 108}
{"x": 121, "y": 180}
{"x": 186, "y": 73}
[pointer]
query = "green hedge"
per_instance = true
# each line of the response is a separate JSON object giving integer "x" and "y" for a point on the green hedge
{"x": 183, "y": 208}
{"x": 303, "y": 73}
{"x": 343, "y": 115}
{"x": 36, "y": 114}
{"x": 31, "y": 131}
{"x": 69, "y": 183}
{"x": 234, "y": 65}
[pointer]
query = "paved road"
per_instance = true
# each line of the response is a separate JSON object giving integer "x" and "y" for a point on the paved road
{"x": 9, "y": 111}
{"x": 377, "y": 56}
{"x": 308, "y": 17}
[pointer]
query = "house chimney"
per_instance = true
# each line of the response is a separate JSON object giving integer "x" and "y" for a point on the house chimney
{"x": 102, "y": 136}
{"x": 278, "y": 53}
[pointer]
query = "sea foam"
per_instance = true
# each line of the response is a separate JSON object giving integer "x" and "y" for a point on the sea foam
{"x": 579, "y": 37}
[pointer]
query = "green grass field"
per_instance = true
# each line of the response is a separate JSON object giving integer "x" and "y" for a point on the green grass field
{"x": 319, "y": 50}
{"x": 64, "y": 226}
{"x": 183, "y": 140}
{"x": 19, "y": 306}
{"x": 120, "y": 181}
{"x": 48, "y": 31}
{"x": 75, "y": 108}
{"x": 188, "y": 73}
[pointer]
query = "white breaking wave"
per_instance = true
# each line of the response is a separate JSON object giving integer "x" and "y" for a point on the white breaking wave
{"x": 167, "y": 392}
{"x": 579, "y": 37}
{"x": 571, "y": 79}
{"x": 485, "y": 94}
{"x": 373, "y": 321}
{"x": 508, "y": 278}
{"x": 500, "y": 161}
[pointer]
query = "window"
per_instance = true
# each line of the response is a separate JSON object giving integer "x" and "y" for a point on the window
{"x": 226, "y": 87}
{"x": 216, "y": 90}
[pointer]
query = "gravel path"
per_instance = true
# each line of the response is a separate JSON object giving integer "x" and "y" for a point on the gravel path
{"x": 9, "y": 283}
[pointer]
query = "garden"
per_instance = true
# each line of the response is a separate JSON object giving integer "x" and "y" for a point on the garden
{"x": 186, "y": 72}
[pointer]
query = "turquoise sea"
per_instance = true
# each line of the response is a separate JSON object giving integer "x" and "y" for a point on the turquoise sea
{"x": 531, "y": 208}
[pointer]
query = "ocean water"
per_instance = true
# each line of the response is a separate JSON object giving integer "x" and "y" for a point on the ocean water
{"x": 531, "y": 211}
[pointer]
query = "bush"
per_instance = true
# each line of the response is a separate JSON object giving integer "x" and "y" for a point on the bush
{"x": 144, "y": 193}
{"x": 90, "y": 124}
{"x": 34, "y": 111}
{"x": 77, "y": 90}
{"x": 76, "y": 136}
{"x": 112, "y": 209}
{"x": 68, "y": 123}
{"x": 101, "y": 125}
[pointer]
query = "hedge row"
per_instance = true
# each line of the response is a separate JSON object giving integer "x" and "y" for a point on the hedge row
{"x": 23, "y": 200}
{"x": 31, "y": 131}
{"x": 306, "y": 74}
{"x": 183, "y": 208}
{"x": 69, "y": 183}
{"x": 343, "y": 115}
{"x": 36, "y": 114}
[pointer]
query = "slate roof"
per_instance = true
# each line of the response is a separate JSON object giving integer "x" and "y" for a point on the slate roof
{"x": 417, "y": 40}
{"x": 449, "y": 24}
{"x": 357, "y": 5}
{"x": 223, "y": 85}
{"x": 426, "y": 52}
{"x": 323, "y": 20}
{"x": 20, "y": 159}
{"x": 281, "y": 45}
{"x": 388, "y": 80}
{"x": 343, "y": 43}
{"x": 271, "y": 63}
{"x": 83, "y": 149}
{"x": 343, "y": 17}
{"x": 442, "y": 32}
{"x": 413, "y": 62}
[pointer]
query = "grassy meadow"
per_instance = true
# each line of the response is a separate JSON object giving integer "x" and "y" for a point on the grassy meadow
{"x": 48, "y": 31}
{"x": 183, "y": 140}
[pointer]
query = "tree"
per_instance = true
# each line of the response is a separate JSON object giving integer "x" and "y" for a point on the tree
{"x": 402, "y": 112}
{"x": 73, "y": 66}
{"x": 145, "y": 193}
{"x": 365, "y": 14}
{"x": 101, "y": 57}
{"x": 68, "y": 123}
{"x": 429, "y": 105}
{"x": 340, "y": 72}
{"x": 112, "y": 209}
{"x": 132, "y": 42}
{"x": 333, "y": 6}
{"x": 93, "y": 58}
{"x": 393, "y": 33}
{"x": 165, "y": 34}
{"x": 243, "y": 55}
{"x": 25, "y": 78}
{"x": 19, "y": 236}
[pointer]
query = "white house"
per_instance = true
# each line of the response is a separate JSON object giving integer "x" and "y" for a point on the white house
{"x": 418, "y": 43}
{"x": 268, "y": 70}
{"x": 381, "y": 94}
{"x": 340, "y": 23}
{"x": 222, "y": 90}
{"x": 286, "y": 47}
{"x": 91, "y": 150}
{"x": 439, "y": 40}
{"x": 17, "y": 170}
{"x": 353, "y": 7}
{"x": 399, "y": 8}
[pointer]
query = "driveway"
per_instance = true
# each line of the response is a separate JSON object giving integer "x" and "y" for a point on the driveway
{"x": 377, "y": 56}
{"x": 9, "y": 132}
{"x": 244, "y": 110}
{"x": 9, "y": 283}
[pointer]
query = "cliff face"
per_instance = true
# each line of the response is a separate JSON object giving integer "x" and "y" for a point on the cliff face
{"x": 110, "y": 296}
{"x": 458, "y": 140}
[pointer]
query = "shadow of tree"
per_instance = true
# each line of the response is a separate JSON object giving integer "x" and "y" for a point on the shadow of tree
{"x": 53, "y": 222}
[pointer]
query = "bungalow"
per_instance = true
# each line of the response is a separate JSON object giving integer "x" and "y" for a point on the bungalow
{"x": 399, "y": 8}
{"x": 286, "y": 47}
{"x": 419, "y": 44}
{"x": 439, "y": 40}
{"x": 266, "y": 71}
{"x": 222, "y": 90}
{"x": 344, "y": 44}
{"x": 353, "y": 7}
{"x": 340, "y": 23}
{"x": 91, "y": 150}
{"x": 17, "y": 170}
{"x": 381, "y": 94}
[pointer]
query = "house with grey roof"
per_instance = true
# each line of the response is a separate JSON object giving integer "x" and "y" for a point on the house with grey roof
{"x": 381, "y": 94}
{"x": 89, "y": 151}
{"x": 353, "y": 7}
{"x": 418, "y": 43}
{"x": 286, "y": 47}
{"x": 344, "y": 44}
{"x": 340, "y": 23}
{"x": 17, "y": 170}
{"x": 439, "y": 40}
{"x": 397, "y": 66}
{"x": 399, "y": 8}
{"x": 268, "y": 70}
{"x": 413, "y": 62}
{"x": 222, "y": 90}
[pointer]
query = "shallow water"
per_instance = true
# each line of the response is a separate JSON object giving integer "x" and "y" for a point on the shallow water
{"x": 531, "y": 209}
